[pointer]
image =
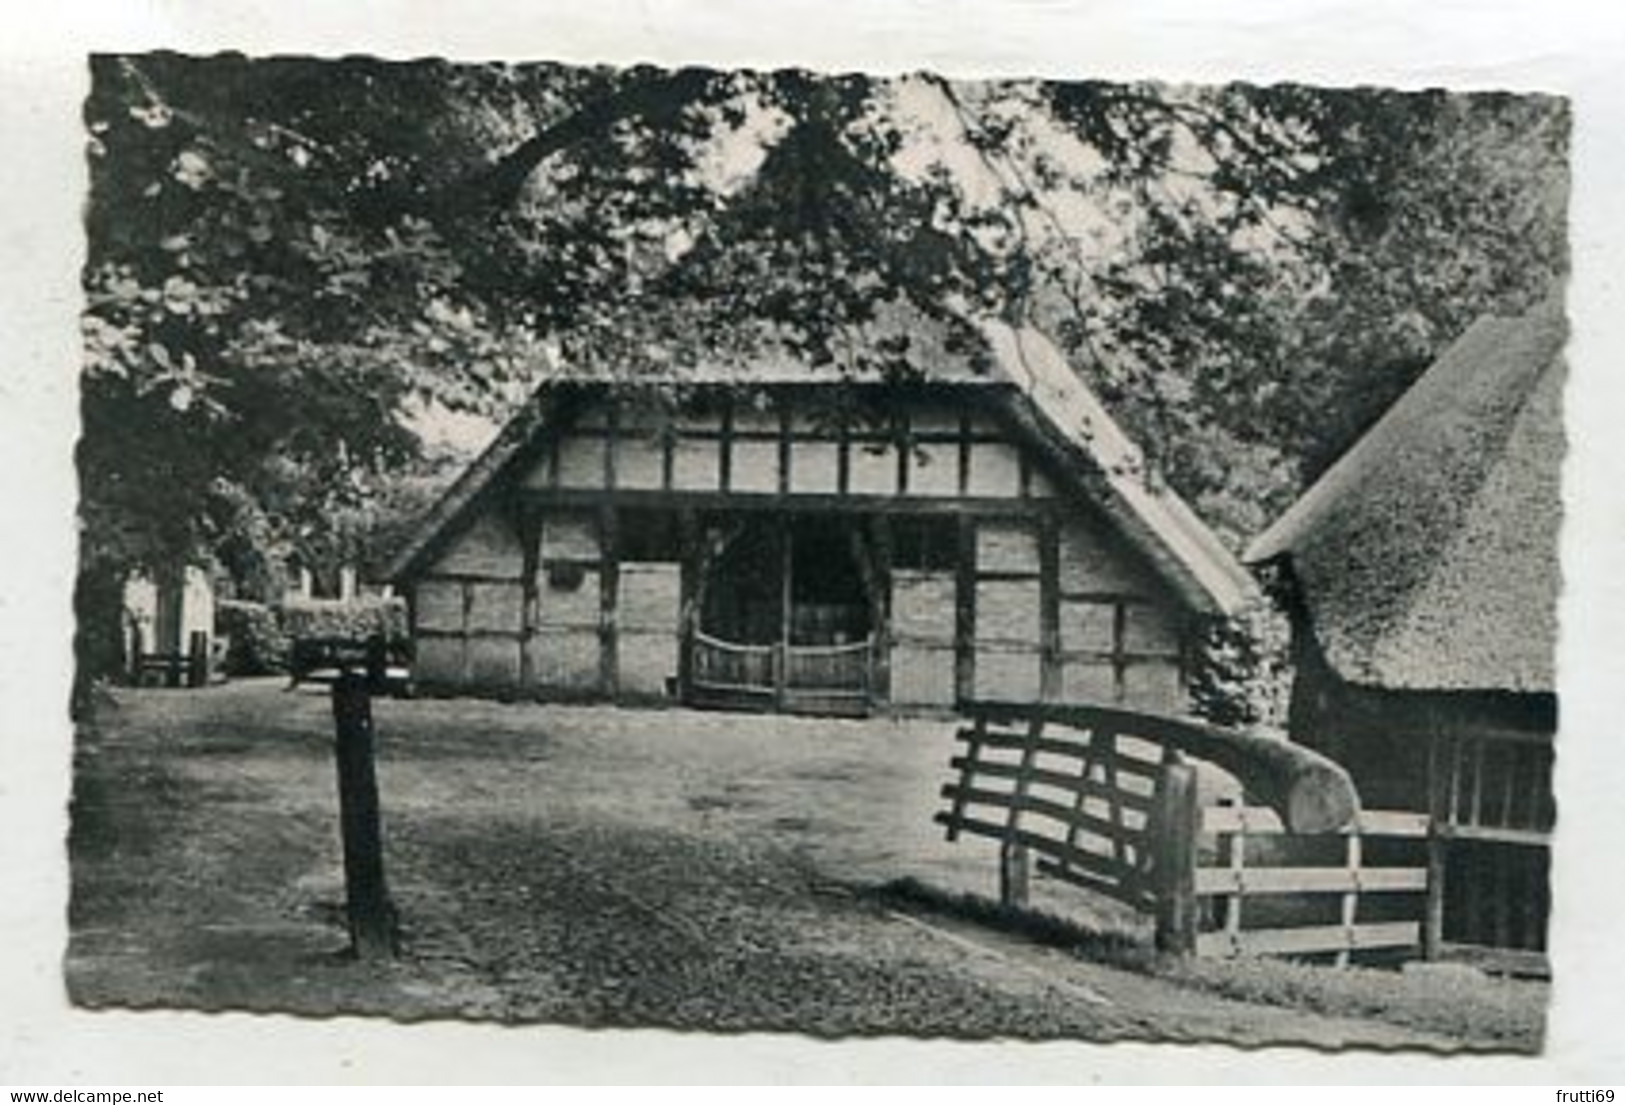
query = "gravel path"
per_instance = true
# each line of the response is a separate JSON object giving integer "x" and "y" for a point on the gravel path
{"x": 586, "y": 866}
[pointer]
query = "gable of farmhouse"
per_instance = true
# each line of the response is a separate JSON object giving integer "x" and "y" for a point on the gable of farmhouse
{"x": 751, "y": 544}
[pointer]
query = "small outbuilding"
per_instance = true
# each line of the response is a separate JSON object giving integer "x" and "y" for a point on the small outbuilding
{"x": 1422, "y": 576}
{"x": 771, "y": 536}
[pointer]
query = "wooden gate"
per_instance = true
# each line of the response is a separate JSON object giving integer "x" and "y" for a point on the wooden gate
{"x": 1107, "y": 800}
{"x": 814, "y": 679}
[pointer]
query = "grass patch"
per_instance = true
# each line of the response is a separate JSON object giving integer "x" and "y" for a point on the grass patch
{"x": 1113, "y": 947}
{"x": 1489, "y": 1013}
{"x": 1485, "y": 1013}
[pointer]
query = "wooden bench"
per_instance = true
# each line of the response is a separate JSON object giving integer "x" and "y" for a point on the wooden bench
{"x": 191, "y": 668}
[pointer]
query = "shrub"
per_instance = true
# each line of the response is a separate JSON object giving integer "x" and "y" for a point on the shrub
{"x": 1242, "y": 674}
{"x": 355, "y": 620}
{"x": 255, "y": 641}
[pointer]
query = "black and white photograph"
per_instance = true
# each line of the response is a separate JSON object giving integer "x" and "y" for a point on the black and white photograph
{"x": 844, "y": 552}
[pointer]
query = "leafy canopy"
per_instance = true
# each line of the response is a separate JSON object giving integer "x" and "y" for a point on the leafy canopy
{"x": 292, "y": 260}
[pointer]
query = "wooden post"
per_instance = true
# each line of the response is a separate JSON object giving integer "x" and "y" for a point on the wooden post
{"x": 197, "y": 659}
{"x": 529, "y": 527}
{"x": 1351, "y": 897}
{"x": 1175, "y": 851}
{"x": 967, "y": 774}
{"x": 1433, "y": 920}
{"x": 1049, "y": 605}
{"x": 692, "y": 542}
{"x": 371, "y": 915}
{"x": 1013, "y": 874}
{"x": 609, "y": 585}
{"x": 880, "y": 670}
{"x": 1014, "y": 866}
{"x": 136, "y": 646}
{"x": 781, "y": 655}
{"x": 377, "y": 663}
{"x": 1235, "y": 855}
{"x": 965, "y": 612}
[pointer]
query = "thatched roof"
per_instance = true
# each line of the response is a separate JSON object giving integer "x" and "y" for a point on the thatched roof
{"x": 1427, "y": 555}
{"x": 1029, "y": 380}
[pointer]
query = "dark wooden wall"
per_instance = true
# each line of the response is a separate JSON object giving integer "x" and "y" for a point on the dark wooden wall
{"x": 1479, "y": 762}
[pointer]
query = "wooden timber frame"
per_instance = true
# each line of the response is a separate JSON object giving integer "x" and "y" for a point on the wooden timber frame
{"x": 851, "y": 489}
{"x": 1491, "y": 811}
{"x": 1107, "y": 800}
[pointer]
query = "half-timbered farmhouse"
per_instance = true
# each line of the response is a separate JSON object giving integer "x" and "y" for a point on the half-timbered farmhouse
{"x": 750, "y": 540}
{"x": 1423, "y": 573}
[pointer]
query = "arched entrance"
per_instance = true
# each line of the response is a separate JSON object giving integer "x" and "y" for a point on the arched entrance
{"x": 785, "y": 616}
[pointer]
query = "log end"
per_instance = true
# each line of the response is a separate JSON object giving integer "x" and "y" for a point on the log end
{"x": 1322, "y": 799}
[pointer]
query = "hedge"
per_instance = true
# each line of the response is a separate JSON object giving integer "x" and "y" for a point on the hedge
{"x": 258, "y": 637}
{"x": 357, "y": 619}
{"x": 255, "y": 641}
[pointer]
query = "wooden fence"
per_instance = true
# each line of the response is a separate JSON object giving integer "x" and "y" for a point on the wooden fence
{"x": 1315, "y": 893}
{"x": 1107, "y": 800}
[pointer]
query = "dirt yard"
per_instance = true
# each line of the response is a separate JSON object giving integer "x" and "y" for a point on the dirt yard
{"x": 603, "y": 867}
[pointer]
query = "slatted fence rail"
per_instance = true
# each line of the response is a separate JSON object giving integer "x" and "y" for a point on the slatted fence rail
{"x": 836, "y": 677}
{"x": 830, "y": 669}
{"x": 736, "y": 668}
{"x": 1094, "y": 806}
{"x": 1235, "y": 880}
{"x": 1082, "y": 806}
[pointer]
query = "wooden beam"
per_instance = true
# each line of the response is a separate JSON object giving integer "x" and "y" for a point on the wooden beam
{"x": 964, "y": 442}
{"x": 980, "y": 506}
{"x": 725, "y": 446}
{"x": 690, "y": 539}
{"x": 843, "y": 457}
{"x": 1235, "y": 859}
{"x": 1433, "y": 916}
{"x": 781, "y": 659}
{"x": 1119, "y": 651}
{"x": 905, "y": 452}
{"x": 609, "y": 574}
{"x": 465, "y": 674}
{"x": 530, "y": 552}
{"x": 965, "y": 613}
{"x": 785, "y": 456}
{"x": 880, "y": 530}
{"x": 1049, "y": 608}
